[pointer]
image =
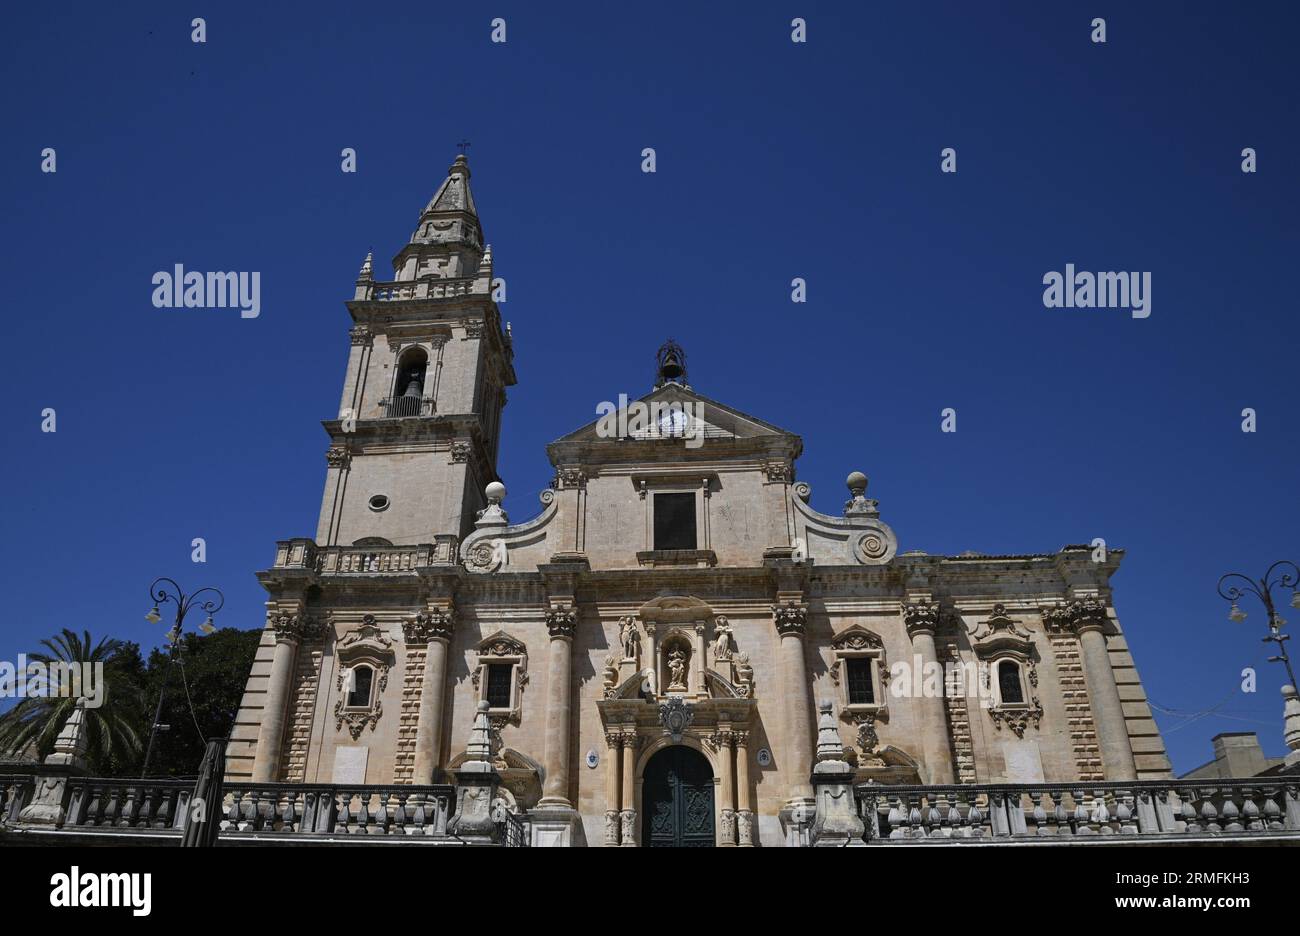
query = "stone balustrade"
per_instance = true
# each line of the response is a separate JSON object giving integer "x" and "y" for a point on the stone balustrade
{"x": 365, "y": 560}
{"x": 419, "y": 289}
{"x": 1172, "y": 809}
{"x": 156, "y": 809}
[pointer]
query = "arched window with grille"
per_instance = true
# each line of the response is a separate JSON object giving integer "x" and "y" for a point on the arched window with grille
{"x": 362, "y": 679}
{"x": 408, "y": 387}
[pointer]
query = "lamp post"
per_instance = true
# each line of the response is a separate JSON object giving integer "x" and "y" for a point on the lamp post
{"x": 161, "y": 591}
{"x": 1263, "y": 590}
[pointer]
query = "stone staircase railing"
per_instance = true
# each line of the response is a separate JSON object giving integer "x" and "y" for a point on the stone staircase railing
{"x": 1174, "y": 809}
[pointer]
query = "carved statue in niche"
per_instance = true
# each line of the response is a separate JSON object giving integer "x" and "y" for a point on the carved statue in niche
{"x": 676, "y": 669}
{"x": 722, "y": 640}
{"x": 630, "y": 637}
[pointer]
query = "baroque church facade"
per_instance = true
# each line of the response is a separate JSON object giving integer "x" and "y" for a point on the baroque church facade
{"x": 651, "y": 645}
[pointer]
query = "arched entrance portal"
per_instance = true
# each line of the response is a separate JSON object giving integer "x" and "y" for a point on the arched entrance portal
{"x": 677, "y": 799}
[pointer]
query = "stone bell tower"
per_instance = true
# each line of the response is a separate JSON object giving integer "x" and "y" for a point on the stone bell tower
{"x": 417, "y": 434}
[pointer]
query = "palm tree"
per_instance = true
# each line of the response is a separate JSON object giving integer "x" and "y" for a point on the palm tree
{"x": 111, "y": 729}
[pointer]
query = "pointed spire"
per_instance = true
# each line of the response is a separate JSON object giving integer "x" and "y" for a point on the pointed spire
{"x": 367, "y": 268}
{"x": 450, "y": 216}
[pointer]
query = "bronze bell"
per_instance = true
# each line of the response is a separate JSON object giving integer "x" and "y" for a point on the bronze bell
{"x": 672, "y": 367}
{"x": 413, "y": 387}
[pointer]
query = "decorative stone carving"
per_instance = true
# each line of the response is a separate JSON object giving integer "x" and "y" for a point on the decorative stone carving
{"x": 677, "y": 661}
{"x": 502, "y": 648}
{"x": 676, "y": 716}
{"x": 461, "y": 451}
{"x": 1017, "y": 718}
{"x": 630, "y": 638}
{"x": 356, "y": 720}
{"x": 610, "y": 687}
{"x": 569, "y": 477}
{"x": 871, "y": 547}
{"x": 296, "y": 627}
{"x": 611, "y": 827}
{"x": 338, "y": 457}
{"x": 745, "y": 827}
{"x": 361, "y": 335}
{"x": 778, "y": 472}
{"x": 1076, "y": 615}
{"x": 790, "y": 618}
{"x": 744, "y": 676}
{"x": 921, "y": 616}
{"x": 858, "y": 504}
{"x": 1000, "y": 631}
{"x": 434, "y": 624}
{"x": 562, "y": 621}
{"x": 721, "y": 640}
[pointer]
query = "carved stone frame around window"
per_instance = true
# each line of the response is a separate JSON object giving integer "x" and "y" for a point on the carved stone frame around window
{"x": 502, "y": 648}
{"x": 365, "y": 646}
{"x": 998, "y": 639}
{"x": 857, "y": 642}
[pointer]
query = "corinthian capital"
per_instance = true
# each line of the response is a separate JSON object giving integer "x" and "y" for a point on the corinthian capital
{"x": 790, "y": 618}
{"x": 1076, "y": 616}
{"x": 921, "y": 617}
{"x": 561, "y": 622}
{"x": 295, "y": 628}
{"x": 427, "y": 626}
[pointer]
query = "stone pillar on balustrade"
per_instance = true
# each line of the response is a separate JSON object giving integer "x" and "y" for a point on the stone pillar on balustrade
{"x": 67, "y": 759}
{"x": 837, "y": 823}
{"x": 476, "y": 785}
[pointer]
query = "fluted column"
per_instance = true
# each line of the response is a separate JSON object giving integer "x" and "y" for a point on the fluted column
{"x": 289, "y": 632}
{"x": 627, "y": 815}
{"x": 560, "y": 621}
{"x": 922, "y": 620}
{"x": 744, "y": 813}
{"x": 434, "y": 629}
{"x": 1103, "y": 694}
{"x": 791, "y": 620}
{"x": 725, "y": 739}
{"x": 613, "y": 780}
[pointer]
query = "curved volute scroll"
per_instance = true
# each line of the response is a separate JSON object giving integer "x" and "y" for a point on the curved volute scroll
{"x": 858, "y": 537}
{"x": 496, "y": 544}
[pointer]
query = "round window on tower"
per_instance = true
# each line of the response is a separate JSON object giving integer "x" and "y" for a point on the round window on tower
{"x": 379, "y": 502}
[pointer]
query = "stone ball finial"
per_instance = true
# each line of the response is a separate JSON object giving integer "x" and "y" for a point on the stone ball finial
{"x": 495, "y": 491}
{"x": 857, "y": 482}
{"x": 483, "y": 705}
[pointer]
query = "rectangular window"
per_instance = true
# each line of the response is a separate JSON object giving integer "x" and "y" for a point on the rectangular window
{"x": 674, "y": 521}
{"x": 858, "y": 677}
{"x": 498, "y": 685}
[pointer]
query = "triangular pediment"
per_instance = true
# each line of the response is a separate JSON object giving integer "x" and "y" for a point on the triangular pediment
{"x": 655, "y": 417}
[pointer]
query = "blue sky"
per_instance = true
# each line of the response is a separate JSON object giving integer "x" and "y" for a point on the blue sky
{"x": 775, "y": 160}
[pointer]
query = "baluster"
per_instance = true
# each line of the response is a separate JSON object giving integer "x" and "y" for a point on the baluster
{"x": 1188, "y": 811}
{"x": 1231, "y": 814}
{"x": 1250, "y": 810}
{"x": 398, "y": 801}
{"x": 1101, "y": 814}
{"x": 1209, "y": 815}
{"x": 975, "y": 819}
{"x": 1272, "y": 813}
{"x": 897, "y": 821}
{"x": 1124, "y": 814}
{"x": 363, "y": 811}
{"x": 345, "y": 812}
{"x": 289, "y": 814}
{"x": 1039, "y": 813}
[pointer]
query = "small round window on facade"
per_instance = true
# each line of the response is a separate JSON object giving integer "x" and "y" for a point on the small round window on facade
{"x": 379, "y": 502}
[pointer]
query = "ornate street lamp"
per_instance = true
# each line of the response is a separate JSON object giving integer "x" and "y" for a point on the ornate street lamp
{"x": 1263, "y": 590}
{"x": 162, "y": 591}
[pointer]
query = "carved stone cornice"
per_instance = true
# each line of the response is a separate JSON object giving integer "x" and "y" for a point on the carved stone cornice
{"x": 428, "y": 626}
{"x": 790, "y": 618}
{"x": 561, "y": 622}
{"x": 921, "y": 617}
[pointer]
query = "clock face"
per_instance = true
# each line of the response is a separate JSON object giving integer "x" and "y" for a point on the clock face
{"x": 673, "y": 422}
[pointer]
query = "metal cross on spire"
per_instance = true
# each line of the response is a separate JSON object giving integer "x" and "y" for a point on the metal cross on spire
{"x": 463, "y": 145}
